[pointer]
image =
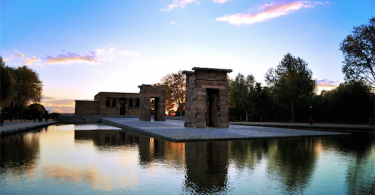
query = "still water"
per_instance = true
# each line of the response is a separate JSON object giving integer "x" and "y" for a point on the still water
{"x": 99, "y": 159}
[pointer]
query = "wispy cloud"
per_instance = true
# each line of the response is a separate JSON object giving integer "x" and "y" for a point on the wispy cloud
{"x": 173, "y": 22}
{"x": 325, "y": 83}
{"x": 11, "y": 56}
{"x": 32, "y": 60}
{"x": 47, "y": 98}
{"x": 179, "y": 3}
{"x": 58, "y": 105}
{"x": 220, "y": 1}
{"x": 112, "y": 53}
{"x": 72, "y": 58}
{"x": 21, "y": 55}
{"x": 6, "y": 59}
{"x": 267, "y": 11}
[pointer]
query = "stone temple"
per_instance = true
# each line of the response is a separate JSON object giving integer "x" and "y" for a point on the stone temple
{"x": 156, "y": 92}
{"x": 206, "y": 98}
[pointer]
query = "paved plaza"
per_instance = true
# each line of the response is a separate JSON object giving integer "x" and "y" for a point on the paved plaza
{"x": 174, "y": 130}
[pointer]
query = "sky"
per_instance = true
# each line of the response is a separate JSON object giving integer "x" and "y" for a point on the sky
{"x": 81, "y": 48}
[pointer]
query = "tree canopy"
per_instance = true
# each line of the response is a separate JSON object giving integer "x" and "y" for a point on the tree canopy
{"x": 239, "y": 93}
{"x": 19, "y": 87}
{"x": 291, "y": 81}
{"x": 359, "y": 54}
{"x": 28, "y": 86}
{"x": 175, "y": 90}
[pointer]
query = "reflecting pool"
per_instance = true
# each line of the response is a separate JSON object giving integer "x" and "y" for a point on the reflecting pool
{"x": 100, "y": 159}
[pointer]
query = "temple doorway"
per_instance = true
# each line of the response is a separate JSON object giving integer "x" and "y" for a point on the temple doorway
{"x": 122, "y": 106}
{"x": 212, "y": 108}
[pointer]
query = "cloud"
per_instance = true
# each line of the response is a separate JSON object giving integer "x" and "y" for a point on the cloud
{"x": 220, "y": 1}
{"x": 11, "y": 56}
{"x": 326, "y": 83}
{"x": 113, "y": 53}
{"x": 47, "y": 98}
{"x": 21, "y": 55}
{"x": 72, "y": 58}
{"x": 30, "y": 61}
{"x": 6, "y": 59}
{"x": 173, "y": 22}
{"x": 179, "y": 3}
{"x": 268, "y": 11}
{"x": 62, "y": 109}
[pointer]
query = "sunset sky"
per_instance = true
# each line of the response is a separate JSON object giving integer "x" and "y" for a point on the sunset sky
{"x": 80, "y": 48}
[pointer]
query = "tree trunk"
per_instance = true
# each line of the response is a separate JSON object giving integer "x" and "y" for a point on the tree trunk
{"x": 247, "y": 118}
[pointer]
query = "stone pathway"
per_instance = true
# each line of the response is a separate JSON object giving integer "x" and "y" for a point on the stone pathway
{"x": 18, "y": 126}
{"x": 174, "y": 130}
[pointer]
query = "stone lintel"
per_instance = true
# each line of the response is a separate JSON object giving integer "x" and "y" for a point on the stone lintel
{"x": 188, "y": 73}
{"x": 212, "y": 69}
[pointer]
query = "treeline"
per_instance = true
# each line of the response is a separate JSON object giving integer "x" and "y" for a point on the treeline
{"x": 350, "y": 102}
{"x": 19, "y": 87}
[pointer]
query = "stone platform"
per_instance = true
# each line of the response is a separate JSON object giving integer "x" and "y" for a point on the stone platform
{"x": 174, "y": 130}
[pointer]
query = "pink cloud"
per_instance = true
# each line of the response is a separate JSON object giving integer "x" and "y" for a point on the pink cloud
{"x": 6, "y": 59}
{"x": 220, "y": 1}
{"x": 179, "y": 3}
{"x": 268, "y": 11}
{"x": 326, "y": 83}
{"x": 21, "y": 55}
{"x": 30, "y": 61}
{"x": 72, "y": 58}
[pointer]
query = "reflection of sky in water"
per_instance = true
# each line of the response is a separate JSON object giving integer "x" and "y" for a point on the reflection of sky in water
{"x": 84, "y": 127}
{"x": 64, "y": 159}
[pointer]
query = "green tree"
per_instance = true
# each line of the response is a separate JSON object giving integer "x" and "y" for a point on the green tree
{"x": 239, "y": 92}
{"x": 7, "y": 83}
{"x": 175, "y": 90}
{"x": 36, "y": 110}
{"x": 28, "y": 87}
{"x": 291, "y": 81}
{"x": 359, "y": 54}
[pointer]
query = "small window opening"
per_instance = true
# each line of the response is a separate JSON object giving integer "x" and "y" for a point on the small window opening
{"x": 107, "y": 102}
{"x": 114, "y": 102}
{"x": 130, "y": 102}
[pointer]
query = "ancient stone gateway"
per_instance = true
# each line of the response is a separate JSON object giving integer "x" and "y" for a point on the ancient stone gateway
{"x": 206, "y": 98}
{"x": 158, "y": 93}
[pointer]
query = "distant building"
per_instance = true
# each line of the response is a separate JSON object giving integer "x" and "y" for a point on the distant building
{"x": 109, "y": 103}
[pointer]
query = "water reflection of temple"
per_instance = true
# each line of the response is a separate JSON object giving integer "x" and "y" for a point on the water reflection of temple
{"x": 206, "y": 166}
{"x": 106, "y": 137}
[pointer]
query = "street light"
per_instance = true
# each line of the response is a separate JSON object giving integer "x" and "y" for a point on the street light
{"x": 310, "y": 109}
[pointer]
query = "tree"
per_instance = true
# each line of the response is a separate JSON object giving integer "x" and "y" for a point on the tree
{"x": 7, "y": 83}
{"x": 28, "y": 86}
{"x": 291, "y": 81}
{"x": 239, "y": 92}
{"x": 359, "y": 54}
{"x": 175, "y": 90}
{"x": 36, "y": 110}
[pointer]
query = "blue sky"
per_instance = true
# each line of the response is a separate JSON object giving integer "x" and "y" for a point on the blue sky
{"x": 80, "y": 48}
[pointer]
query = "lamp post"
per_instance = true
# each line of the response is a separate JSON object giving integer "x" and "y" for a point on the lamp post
{"x": 310, "y": 110}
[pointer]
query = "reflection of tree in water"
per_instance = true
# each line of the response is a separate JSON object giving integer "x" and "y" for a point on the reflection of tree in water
{"x": 292, "y": 162}
{"x": 19, "y": 153}
{"x": 246, "y": 154}
{"x": 206, "y": 167}
{"x": 359, "y": 150}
